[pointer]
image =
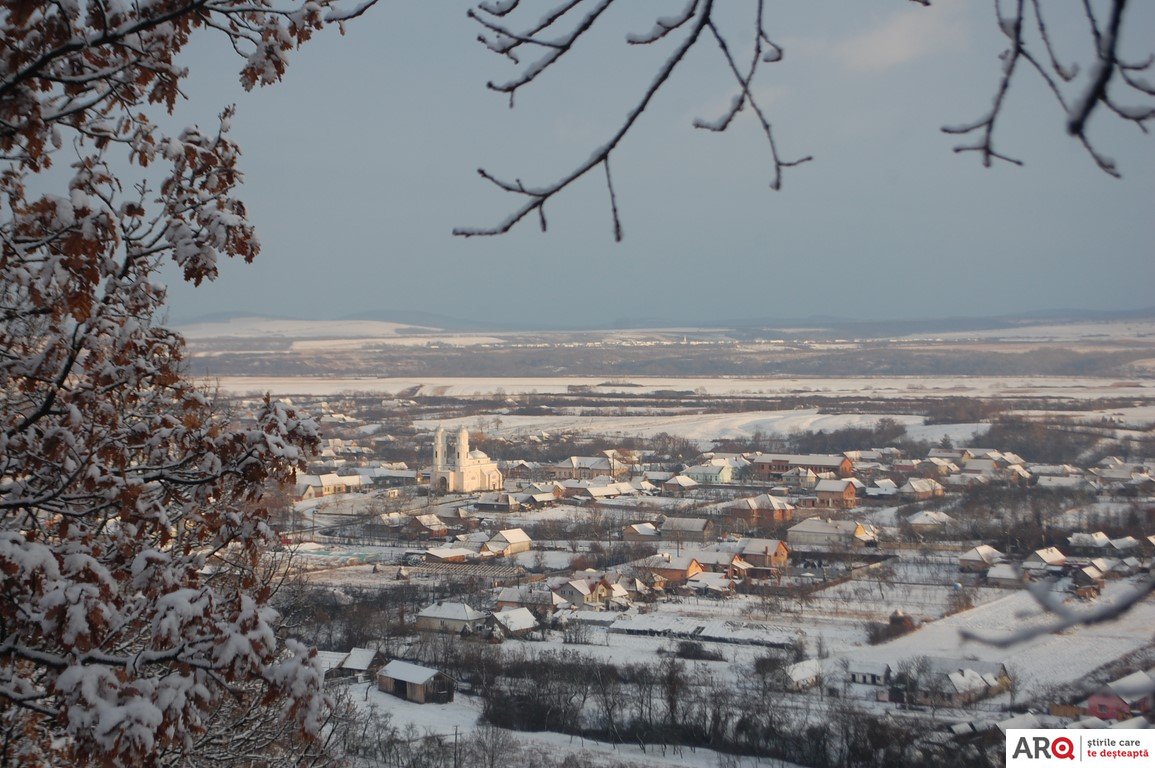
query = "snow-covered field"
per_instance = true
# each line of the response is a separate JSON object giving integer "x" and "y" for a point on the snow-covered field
{"x": 704, "y": 428}
{"x": 463, "y": 714}
{"x": 1056, "y": 387}
{"x": 1114, "y": 330}
{"x": 1041, "y": 661}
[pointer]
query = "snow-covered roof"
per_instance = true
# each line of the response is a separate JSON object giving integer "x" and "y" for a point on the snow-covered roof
{"x": 1047, "y": 555}
{"x": 803, "y": 671}
{"x": 831, "y": 486}
{"x": 359, "y": 659}
{"x": 454, "y": 611}
{"x": 446, "y": 553}
{"x": 1097, "y": 539}
{"x": 642, "y": 529}
{"x": 930, "y": 517}
{"x": 1133, "y": 687}
{"x": 685, "y": 524}
{"x": 764, "y": 501}
{"x": 330, "y": 659}
{"x": 515, "y": 619}
{"x": 808, "y": 459}
{"x": 759, "y": 546}
{"x": 1004, "y": 572}
{"x": 984, "y": 553}
{"x": 406, "y": 672}
{"x": 513, "y": 536}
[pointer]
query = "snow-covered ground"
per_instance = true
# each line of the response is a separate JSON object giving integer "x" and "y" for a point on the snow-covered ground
{"x": 1042, "y": 661}
{"x": 1114, "y": 330}
{"x": 463, "y": 714}
{"x": 705, "y": 428}
{"x": 1077, "y": 388}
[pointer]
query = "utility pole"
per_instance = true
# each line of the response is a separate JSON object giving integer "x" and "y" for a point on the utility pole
{"x": 455, "y": 746}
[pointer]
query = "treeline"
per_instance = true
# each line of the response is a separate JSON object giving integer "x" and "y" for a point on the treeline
{"x": 705, "y": 360}
{"x": 672, "y": 702}
{"x": 886, "y": 432}
{"x": 1046, "y": 443}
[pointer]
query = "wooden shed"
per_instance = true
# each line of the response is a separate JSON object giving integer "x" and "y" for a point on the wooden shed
{"x": 415, "y": 683}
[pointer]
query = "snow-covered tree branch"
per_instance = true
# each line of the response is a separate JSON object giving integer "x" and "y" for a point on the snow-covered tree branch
{"x": 133, "y": 521}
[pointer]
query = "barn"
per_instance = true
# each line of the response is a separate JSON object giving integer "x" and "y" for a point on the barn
{"x": 411, "y": 682}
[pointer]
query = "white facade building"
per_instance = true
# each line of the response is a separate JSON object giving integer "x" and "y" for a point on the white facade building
{"x": 456, "y": 469}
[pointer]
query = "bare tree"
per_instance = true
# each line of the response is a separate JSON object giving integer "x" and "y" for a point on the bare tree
{"x": 534, "y": 42}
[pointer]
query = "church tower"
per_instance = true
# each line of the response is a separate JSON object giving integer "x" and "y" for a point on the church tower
{"x": 439, "y": 449}
{"x": 462, "y": 447}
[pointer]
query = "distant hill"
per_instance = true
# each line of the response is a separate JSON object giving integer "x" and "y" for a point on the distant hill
{"x": 816, "y": 327}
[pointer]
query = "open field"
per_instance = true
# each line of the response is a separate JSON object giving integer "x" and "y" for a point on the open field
{"x": 1057, "y": 388}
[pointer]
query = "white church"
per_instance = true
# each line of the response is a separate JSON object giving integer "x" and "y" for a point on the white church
{"x": 456, "y": 469}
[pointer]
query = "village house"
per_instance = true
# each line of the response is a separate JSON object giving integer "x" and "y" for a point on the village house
{"x": 936, "y": 467}
{"x": 515, "y": 622}
{"x": 930, "y": 521}
{"x": 1088, "y": 544}
{"x": 921, "y": 489}
{"x": 764, "y": 553}
{"x": 497, "y": 501}
{"x": 317, "y": 486}
{"x": 868, "y": 672}
{"x": 770, "y": 466}
{"x": 836, "y": 494}
{"x": 949, "y": 682}
{"x": 697, "y": 529}
{"x": 1005, "y": 576}
{"x": 756, "y": 511}
{"x": 585, "y": 593}
{"x": 1087, "y": 582}
{"x": 1048, "y": 559}
{"x": 957, "y": 455}
{"x": 449, "y": 555}
{"x": 979, "y": 559}
{"x": 506, "y": 543}
{"x": 818, "y": 532}
{"x": 709, "y": 584}
{"x": 587, "y": 467}
{"x": 730, "y": 564}
{"x": 411, "y": 682}
{"x": 521, "y": 470}
{"x": 800, "y": 675}
{"x": 641, "y": 532}
{"x": 670, "y": 569}
{"x": 800, "y": 479}
{"x": 450, "y": 618}
{"x": 710, "y": 474}
{"x": 678, "y": 485}
{"x": 883, "y": 487}
{"x": 541, "y": 601}
{"x": 1124, "y": 698}
{"x": 427, "y": 526}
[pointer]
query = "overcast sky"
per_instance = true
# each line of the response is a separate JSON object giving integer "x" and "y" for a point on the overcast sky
{"x": 361, "y": 163}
